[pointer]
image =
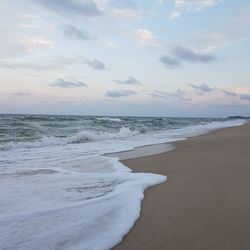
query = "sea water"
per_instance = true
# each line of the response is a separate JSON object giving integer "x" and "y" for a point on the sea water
{"x": 58, "y": 190}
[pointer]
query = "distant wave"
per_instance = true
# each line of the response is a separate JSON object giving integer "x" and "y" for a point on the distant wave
{"x": 108, "y": 119}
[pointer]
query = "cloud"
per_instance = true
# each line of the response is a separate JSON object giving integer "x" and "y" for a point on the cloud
{"x": 170, "y": 61}
{"x": 86, "y": 8}
{"x": 66, "y": 102}
{"x": 201, "y": 88}
{"x": 179, "y": 54}
{"x": 27, "y": 26}
{"x": 46, "y": 64}
{"x": 245, "y": 97}
{"x": 95, "y": 64}
{"x": 52, "y": 63}
{"x": 120, "y": 93}
{"x": 125, "y": 14}
{"x": 146, "y": 38}
{"x": 144, "y": 35}
{"x": 77, "y": 33}
{"x": 188, "y": 55}
{"x": 36, "y": 43}
{"x": 130, "y": 81}
{"x": 67, "y": 84}
{"x": 21, "y": 93}
{"x": 155, "y": 95}
{"x": 242, "y": 96}
{"x": 210, "y": 41}
{"x": 124, "y": 9}
{"x": 174, "y": 15}
{"x": 179, "y": 94}
{"x": 229, "y": 93}
{"x": 194, "y": 5}
{"x": 123, "y": 4}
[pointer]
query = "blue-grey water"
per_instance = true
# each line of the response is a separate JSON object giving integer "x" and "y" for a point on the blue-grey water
{"x": 23, "y": 128}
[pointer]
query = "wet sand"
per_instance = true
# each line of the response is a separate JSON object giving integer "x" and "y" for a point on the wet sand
{"x": 205, "y": 204}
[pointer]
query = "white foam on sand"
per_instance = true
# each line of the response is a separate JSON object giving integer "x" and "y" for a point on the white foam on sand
{"x": 53, "y": 209}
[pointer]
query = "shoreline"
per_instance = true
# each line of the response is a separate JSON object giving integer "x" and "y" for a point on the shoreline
{"x": 162, "y": 147}
{"x": 176, "y": 215}
{"x": 143, "y": 151}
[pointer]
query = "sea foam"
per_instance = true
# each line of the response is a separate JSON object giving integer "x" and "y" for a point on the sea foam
{"x": 70, "y": 209}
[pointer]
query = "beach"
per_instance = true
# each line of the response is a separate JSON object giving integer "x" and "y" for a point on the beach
{"x": 205, "y": 203}
{"x": 60, "y": 185}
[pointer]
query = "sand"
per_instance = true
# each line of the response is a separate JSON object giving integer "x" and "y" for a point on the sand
{"x": 205, "y": 204}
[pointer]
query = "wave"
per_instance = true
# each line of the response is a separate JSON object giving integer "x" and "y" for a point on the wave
{"x": 124, "y": 132}
{"x": 86, "y": 136}
{"x": 109, "y": 119}
{"x": 5, "y": 147}
{"x": 80, "y": 137}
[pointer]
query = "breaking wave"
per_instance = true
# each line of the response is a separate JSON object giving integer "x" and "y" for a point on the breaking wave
{"x": 108, "y": 119}
{"x": 80, "y": 137}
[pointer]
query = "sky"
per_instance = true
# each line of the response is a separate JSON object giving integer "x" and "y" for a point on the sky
{"x": 125, "y": 57}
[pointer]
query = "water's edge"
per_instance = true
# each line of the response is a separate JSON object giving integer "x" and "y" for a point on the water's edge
{"x": 156, "y": 149}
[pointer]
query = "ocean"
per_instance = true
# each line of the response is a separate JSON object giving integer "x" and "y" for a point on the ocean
{"x": 59, "y": 189}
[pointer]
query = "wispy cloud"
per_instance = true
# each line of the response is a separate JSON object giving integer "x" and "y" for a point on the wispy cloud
{"x": 122, "y": 9}
{"x": 205, "y": 88}
{"x": 210, "y": 41}
{"x": 229, "y": 93}
{"x": 146, "y": 38}
{"x": 130, "y": 81}
{"x": 179, "y": 54}
{"x": 122, "y": 4}
{"x": 201, "y": 88}
{"x": 178, "y": 94}
{"x": 53, "y": 63}
{"x": 46, "y": 64}
{"x": 120, "y": 93}
{"x": 245, "y": 97}
{"x": 21, "y": 93}
{"x": 95, "y": 64}
{"x": 61, "y": 83}
{"x": 174, "y": 15}
{"x": 78, "y": 33}
{"x": 194, "y": 5}
{"x": 36, "y": 43}
{"x": 170, "y": 61}
{"x": 83, "y": 8}
{"x": 189, "y": 55}
{"x": 241, "y": 96}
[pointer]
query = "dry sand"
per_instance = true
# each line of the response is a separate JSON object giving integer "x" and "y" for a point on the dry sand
{"x": 205, "y": 204}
